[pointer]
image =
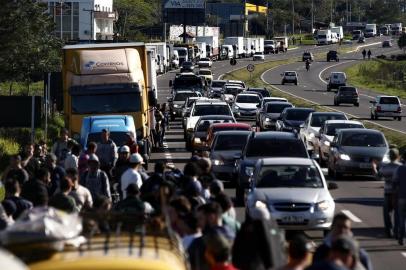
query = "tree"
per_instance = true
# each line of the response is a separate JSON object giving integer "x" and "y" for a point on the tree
{"x": 402, "y": 42}
{"x": 27, "y": 46}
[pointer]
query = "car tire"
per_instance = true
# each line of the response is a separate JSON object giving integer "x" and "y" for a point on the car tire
{"x": 283, "y": 83}
{"x": 356, "y": 104}
{"x": 399, "y": 118}
{"x": 295, "y": 82}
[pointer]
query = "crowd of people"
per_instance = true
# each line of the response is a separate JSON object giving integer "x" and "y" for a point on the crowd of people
{"x": 107, "y": 178}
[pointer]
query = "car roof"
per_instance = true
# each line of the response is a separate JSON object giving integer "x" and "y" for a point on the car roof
{"x": 233, "y": 132}
{"x": 278, "y": 103}
{"x": 243, "y": 125}
{"x": 359, "y": 130}
{"x": 342, "y": 122}
{"x": 210, "y": 101}
{"x": 287, "y": 161}
{"x": 184, "y": 91}
{"x": 215, "y": 117}
{"x": 337, "y": 72}
{"x": 384, "y": 96}
{"x": 327, "y": 113}
{"x": 235, "y": 81}
{"x": 275, "y": 135}
{"x": 204, "y": 69}
{"x": 248, "y": 94}
{"x": 300, "y": 109}
{"x": 223, "y": 81}
{"x": 268, "y": 99}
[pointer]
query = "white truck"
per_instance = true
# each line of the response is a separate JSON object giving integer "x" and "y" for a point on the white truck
{"x": 270, "y": 46}
{"x": 161, "y": 57}
{"x": 212, "y": 46}
{"x": 200, "y": 50}
{"x": 283, "y": 43}
{"x": 261, "y": 44}
{"x": 370, "y": 30}
{"x": 238, "y": 45}
{"x": 152, "y": 78}
{"x": 182, "y": 54}
{"x": 248, "y": 47}
{"x": 324, "y": 37}
{"x": 396, "y": 29}
{"x": 226, "y": 52}
{"x": 339, "y": 31}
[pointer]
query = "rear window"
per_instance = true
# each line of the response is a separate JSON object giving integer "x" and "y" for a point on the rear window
{"x": 201, "y": 110}
{"x": 333, "y": 128}
{"x": 205, "y": 72}
{"x": 184, "y": 96}
{"x": 218, "y": 84}
{"x": 233, "y": 91}
{"x": 290, "y": 74}
{"x": 263, "y": 92}
{"x": 204, "y": 125}
{"x": 318, "y": 120}
{"x": 389, "y": 100}
{"x": 299, "y": 115}
{"x": 247, "y": 99}
{"x": 348, "y": 90}
{"x": 235, "y": 142}
{"x": 273, "y": 148}
{"x": 276, "y": 108}
{"x": 119, "y": 138}
{"x": 363, "y": 139}
{"x": 217, "y": 129}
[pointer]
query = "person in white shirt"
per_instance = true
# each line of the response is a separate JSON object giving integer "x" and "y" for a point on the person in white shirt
{"x": 131, "y": 175}
{"x": 72, "y": 157}
{"x": 82, "y": 195}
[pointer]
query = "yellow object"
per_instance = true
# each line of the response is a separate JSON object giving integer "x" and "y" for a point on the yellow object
{"x": 254, "y": 8}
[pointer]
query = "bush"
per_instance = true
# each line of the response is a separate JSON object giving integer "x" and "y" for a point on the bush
{"x": 400, "y": 57}
{"x": 7, "y": 148}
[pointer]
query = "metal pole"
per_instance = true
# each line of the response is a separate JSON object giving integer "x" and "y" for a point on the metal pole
{"x": 293, "y": 17}
{"x": 32, "y": 119}
{"x": 267, "y": 19}
{"x": 312, "y": 14}
{"x": 331, "y": 11}
{"x": 47, "y": 103}
{"x": 61, "y": 3}
{"x": 346, "y": 9}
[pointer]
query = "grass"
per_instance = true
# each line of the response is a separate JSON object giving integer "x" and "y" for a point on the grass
{"x": 393, "y": 137}
{"x": 377, "y": 79}
{"x": 20, "y": 88}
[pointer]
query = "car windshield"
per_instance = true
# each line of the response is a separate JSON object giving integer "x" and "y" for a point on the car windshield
{"x": 106, "y": 103}
{"x": 233, "y": 91}
{"x": 347, "y": 90}
{"x": 299, "y": 115}
{"x": 276, "y": 108}
{"x": 269, "y": 42}
{"x": 217, "y": 84}
{"x": 306, "y": 54}
{"x": 184, "y": 96}
{"x": 276, "y": 148}
{"x": 290, "y": 74}
{"x": 322, "y": 36}
{"x": 205, "y": 124}
{"x": 201, "y": 110}
{"x": 119, "y": 138}
{"x": 263, "y": 92}
{"x": 228, "y": 142}
{"x": 205, "y": 59}
{"x": 363, "y": 139}
{"x": 289, "y": 176}
{"x": 319, "y": 119}
{"x": 247, "y": 99}
{"x": 389, "y": 100}
{"x": 333, "y": 128}
{"x": 205, "y": 72}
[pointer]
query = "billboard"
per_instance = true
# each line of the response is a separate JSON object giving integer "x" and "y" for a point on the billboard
{"x": 188, "y": 12}
{"x": 15, "y": 111}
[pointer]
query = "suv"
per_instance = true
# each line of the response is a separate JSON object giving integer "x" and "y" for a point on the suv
{"x": 332, "y": 55}
{"x": 178, "y": 100}
{"x": 386, "y": 106}
{"x": 265, "y": 144}
{"x": 346, "y": 94}
{"x": 187, "y": 66}
{"x": 386, "y": 44}
{"x": 336, "y": 80}
{"x": 307, "y": 56}
{"x": 270, "y": 114}
{"x": 289, "y": 77}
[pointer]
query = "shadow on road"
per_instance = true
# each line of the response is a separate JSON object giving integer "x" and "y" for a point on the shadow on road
{"x": 361, "y": 201}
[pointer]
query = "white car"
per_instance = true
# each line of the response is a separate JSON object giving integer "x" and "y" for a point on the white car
{"x": 289, "y": 77}
{"x": 206, "y": 74}
{"x": 205, "y": 63}
{"x": 294, "y": 191}
{"x": 258, "y": 56}
{"x": 386, "y": 106}
{"x": 326, "y": 136}
{"x": 245, "y": 105}
{"x": 230, "y": 91}
{"x": 335, "y": 80}
{"x": 309, "y": 130}
{"x": 237, "y": 82}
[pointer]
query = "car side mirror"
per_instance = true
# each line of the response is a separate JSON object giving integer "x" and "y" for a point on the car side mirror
{"x": 170, "y": 83}
{"x": 372, "y": 102}
{"x": 302, "y": 126}
{"x": 332, "y": 186}
{"x": 333, "y": 144}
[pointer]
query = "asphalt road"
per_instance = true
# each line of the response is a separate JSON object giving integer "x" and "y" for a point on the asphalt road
{"x": 360, "y": 198}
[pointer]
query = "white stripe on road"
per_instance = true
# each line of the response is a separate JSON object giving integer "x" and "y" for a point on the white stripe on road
{"x": 351, "y": 216}
{"x": 168, "y": 155}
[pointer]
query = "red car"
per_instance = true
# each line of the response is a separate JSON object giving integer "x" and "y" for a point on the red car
{"x": 223, "y": 127}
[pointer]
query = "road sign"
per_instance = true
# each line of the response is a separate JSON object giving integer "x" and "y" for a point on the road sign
{"x": 250, "y": 67}
{"x": 185, "y": 12}
{"x": 185, "y": 4}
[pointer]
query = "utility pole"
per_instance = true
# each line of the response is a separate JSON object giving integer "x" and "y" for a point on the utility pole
{"x": 91, "y": 11}
{"x": 331, "y": 11}
{"x": 346, "y": 9}
{"x": 293, "y": 17}
{"x": 267, "y": 18}
{"x": 312, "y": 14}
{"x": 61, "y": 6}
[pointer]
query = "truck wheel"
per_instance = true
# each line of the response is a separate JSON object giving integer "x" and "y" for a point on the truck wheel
{"x": 399, "y": 118}
{"x": 295, "y": 82}
{"x": 356, "y": 104}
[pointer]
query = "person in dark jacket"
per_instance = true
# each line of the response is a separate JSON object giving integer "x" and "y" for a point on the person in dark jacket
{"x": 36, "y": 190}
{"x": 132, "y": 204}
{"x": 16, "y": 170}
{"x": 62, "y": 200}
{"x": 57, "y": 172}
{"x": 13, "y": 190}
{"x": 150, "y": 188}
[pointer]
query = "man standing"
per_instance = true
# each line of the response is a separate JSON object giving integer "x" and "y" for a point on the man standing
{"x": 106, "y": 152}
{"x": 82, "y": 195}
{"x": 57, "y": 172}
{"x": 28, "y": 160}
{"x": 16, "y": 170}
{"x": 131, "y": 175}
{"x": 399, "y": 181}
{"x": 385, "y": 172}
{"x": 60, "y": 147}
{"x": 84, "y": 157}
{"x": 95, "y": 179}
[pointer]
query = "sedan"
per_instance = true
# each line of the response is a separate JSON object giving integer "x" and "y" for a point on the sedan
{"x": 354, "y": 150}
{"x": 271, "y": 113}
{"x": 258, "y": 56}
{"x": 291, "y": 119}
{"x": 295, "y": 191}
{"x": 205, "y": 62}
{"x": 245, "y": 106}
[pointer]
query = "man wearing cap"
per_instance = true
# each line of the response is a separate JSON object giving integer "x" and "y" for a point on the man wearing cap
{"x": 399, "y": 181}
{"x": 385, "y": 172}
{"x": 106, "y": 152}
{"x": 95, "y": 179}
{"x": 122, "y": 164}
{"x": 131, "y": 175}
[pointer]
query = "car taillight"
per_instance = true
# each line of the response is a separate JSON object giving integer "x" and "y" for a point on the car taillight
{"x": 378, "y": 108}
{"x": 399, "y": 109}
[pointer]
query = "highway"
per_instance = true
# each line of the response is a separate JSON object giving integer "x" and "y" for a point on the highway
{"x": 360, "y": 197}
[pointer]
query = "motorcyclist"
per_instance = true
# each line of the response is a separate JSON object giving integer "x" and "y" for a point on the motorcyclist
{"x": 307, "y": 64}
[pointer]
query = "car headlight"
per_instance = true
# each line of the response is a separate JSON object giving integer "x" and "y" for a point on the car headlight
{"x": 236, "y": 108}
{"x": 218, "y": 162}
{"x": 386, "y": 158}
{"x": 323, "y": 206}
{"x": 176, "y": 105}
{"x": 345, "y": 157}
{"x": 259, "y": 204}
{"x": 249, "y": 171}
{"x": 327, "y": 143}
{"x": 311, "y": 135}
{"x": 267, "y": 119}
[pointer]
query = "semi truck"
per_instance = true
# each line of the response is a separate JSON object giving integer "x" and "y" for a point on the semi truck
{"x": 238, "y": 46}
{"x": 212, "y": 46}
{"x": 370, "y": 30}
{"x": 396, "y": 29}
{"x": 108, "y": 79}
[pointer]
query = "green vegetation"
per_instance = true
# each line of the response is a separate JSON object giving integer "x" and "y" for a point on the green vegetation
{"x": 8, "y": 147}
{"x": 382, "y": 76}
{"x": 393, "y": 137}
{"x": 20, "y": 89}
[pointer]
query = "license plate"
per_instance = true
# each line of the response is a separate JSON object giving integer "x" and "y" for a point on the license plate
{"x": 293, "y": 219}
{"x": 365, "y": 165}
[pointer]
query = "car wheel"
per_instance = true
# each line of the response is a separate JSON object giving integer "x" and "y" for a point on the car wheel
{"x": 283, "y": 83}
{"x": 295, "y": 82}
{"x": 399, "y": 118}
{"x": 356, "y": 104}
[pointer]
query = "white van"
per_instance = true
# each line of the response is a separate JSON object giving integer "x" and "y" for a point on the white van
{"x": 336, "y": 80}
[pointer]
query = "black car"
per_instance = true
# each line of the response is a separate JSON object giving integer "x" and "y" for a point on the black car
{"x": 347, "y": 95}
{"x": 354, "y": 150}
{"x": 332, "y": 55}
{"x": 307, "y": 56}
{"x": 261, "y": 145}
{"x": 263, "y": 91}
{"x": 291, "y": 119}
{"x": 187, "y": 66}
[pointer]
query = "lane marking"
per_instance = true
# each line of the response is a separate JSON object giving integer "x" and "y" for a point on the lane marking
{"x": 316, "y": 103}
{"x": 351, "y": 216}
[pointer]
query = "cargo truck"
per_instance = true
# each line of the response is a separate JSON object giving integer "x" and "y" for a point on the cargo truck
{"x": 108, "y": 79}
{"x": 324, "y": 37}
{"x": 339, "y": 31}
{"x": 270, "y": 46}
{"x": 238, "y": 46}
{"x": 396, "y": 29}
{"x": 161, "y": 56}
{"x": 248, "y": 47}
{"x": 212, "y": 46}
{"x": 370, "y": 30}
{"x": 283, "y": 43}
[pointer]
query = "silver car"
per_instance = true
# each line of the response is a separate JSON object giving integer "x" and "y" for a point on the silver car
{"x": 294, "y": 191}
{"x": 271, "y": 113}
